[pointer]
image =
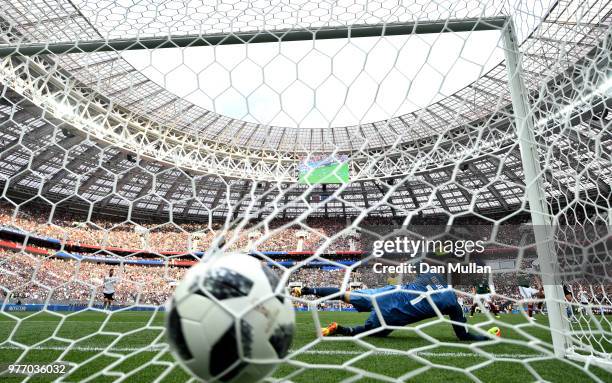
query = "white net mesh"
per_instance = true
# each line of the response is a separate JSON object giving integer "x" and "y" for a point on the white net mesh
{"x": 134, "y": 135}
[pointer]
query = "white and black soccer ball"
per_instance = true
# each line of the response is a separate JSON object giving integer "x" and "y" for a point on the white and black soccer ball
{"x": 225, "y": 323}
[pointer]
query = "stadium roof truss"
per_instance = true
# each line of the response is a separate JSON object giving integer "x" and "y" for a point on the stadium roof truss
{"x": 78, "y": 120}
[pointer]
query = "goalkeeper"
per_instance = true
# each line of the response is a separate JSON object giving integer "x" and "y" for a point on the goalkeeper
{"x": 399, "y": 307}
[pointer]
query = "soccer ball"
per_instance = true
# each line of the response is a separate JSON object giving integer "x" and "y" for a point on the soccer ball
{"x": 226, "y": 323}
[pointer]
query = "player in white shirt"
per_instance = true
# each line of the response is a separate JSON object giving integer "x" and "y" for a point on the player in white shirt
{"x": 584, "y": 301}
{"x": 483, "y": 292}
{"x": 108, "y": 290}
{"x": 569, "y": 297}
{"x": 528, "y": 293}
{"x": 461, "y": 302}
{"x": 584, "y": 297}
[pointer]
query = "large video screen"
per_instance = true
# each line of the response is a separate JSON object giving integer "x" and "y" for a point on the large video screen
{"x": 324, "y": 169}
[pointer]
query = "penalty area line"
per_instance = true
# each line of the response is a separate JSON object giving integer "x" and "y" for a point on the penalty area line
{"x": 157, "y": 348}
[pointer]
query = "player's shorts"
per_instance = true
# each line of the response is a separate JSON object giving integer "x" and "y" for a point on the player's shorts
{"x": 527, "y": 292}
{"x": 109, "y": 296}
{"x": 485, "y": 297}
{"x": 362, "y": 300}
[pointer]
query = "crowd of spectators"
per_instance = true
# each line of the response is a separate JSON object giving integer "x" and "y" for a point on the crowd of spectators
{"x": 170, "y": 237}
{"x": 29, "y": 278}
{"x": 310, "y": 234}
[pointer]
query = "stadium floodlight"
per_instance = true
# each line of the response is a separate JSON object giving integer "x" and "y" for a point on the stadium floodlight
{"x": 63, "y": 110}
{"x": 435, "y": 144}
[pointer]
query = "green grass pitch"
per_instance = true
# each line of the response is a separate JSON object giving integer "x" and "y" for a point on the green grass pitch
{"x": 109, "y": 347}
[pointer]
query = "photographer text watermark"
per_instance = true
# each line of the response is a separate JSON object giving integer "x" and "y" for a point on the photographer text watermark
{"x": 413, "y": 247}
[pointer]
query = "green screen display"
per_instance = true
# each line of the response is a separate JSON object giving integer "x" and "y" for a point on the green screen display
{"x": 327, "y": 170}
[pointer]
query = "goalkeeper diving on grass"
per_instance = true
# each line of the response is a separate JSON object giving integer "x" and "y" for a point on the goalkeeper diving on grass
{"x": 399, "y": 306}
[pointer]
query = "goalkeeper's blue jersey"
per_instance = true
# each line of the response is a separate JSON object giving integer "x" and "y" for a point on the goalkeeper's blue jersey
{"x": 401, "y": 305}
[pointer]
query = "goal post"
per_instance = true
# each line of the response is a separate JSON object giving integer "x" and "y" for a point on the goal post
{"x": 536, "y": 194}
{"x": 524, "y": 121}
{"x": 254, "y": 37}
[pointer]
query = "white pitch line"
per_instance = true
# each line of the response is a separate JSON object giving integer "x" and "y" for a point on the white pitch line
{"x": 419, "y": 353}
{"x": 110, "y": 322}
{"x": 156, "y": 348}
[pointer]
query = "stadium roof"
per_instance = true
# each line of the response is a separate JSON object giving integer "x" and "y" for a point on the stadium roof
{"x": 42, "y": 151}
{"x": 109, "y": 74}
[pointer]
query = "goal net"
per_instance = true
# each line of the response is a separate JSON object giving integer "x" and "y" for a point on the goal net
{"x": 343, "y": 144}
